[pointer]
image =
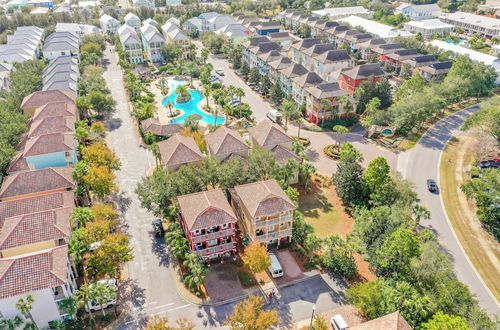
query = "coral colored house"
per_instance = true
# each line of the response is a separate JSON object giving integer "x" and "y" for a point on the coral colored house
{"x": 209, "y": 223}
{"x": 350, "y": 79}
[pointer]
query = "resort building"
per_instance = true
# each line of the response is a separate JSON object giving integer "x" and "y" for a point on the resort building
{"x": 37, "y": 99}
{"x": 179, "y": 150}
{"x": 55, "y": 109}
{"x": 209, "y": 223}
{"x": 173, "y": 34}
{"x": 46, "y": 275}
{"x": 429, "y": 27}
{"x": 473, "y": 24}
{"x": 379, "y": 30}
{"x": 36, "y": 182}
{"x": 418, "y": 12}
{"x": 61, "y": 44}
{"x": 62, "y": 73}
{"x": 486, "y": 59}
{"x": 152, "y": 125}
{"x": 435, "y": 71}
{"x": 109, "y": 25}
{"x": 264, "y": 211}
{"x": 152, "y": 42}
{"x": 23, "y": 45}
{"x": 81, "y": 30}
{"x": 225, "y": 143}
{"x": 133, "y": 21}
{"x": 341, "y": 12}
{"x": 314, "y": 101}
{"x": 350, "y": 79}
{"x": 331, "y": 61}
{"x": 132, "y": 44}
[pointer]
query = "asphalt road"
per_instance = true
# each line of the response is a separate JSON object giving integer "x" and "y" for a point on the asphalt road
{"x": 151, "y": 288}
{"x": 423, "y": 164}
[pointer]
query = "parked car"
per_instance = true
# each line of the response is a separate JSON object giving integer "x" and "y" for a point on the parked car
{"x": 213, "y": 78}
{"x": 490, "y": 163}
{"x": 158, "y": 227}
{"x": 274, "y": 116}
{"x": 275, "y": 268}
{"x": 338, "y": 323}
{"x": 256, "y": 88}
{"x": 94, "y": 305}
{"x": 220, "y": 72}
{"x": 431, "y": 185}
{"x": 235, "y": 102}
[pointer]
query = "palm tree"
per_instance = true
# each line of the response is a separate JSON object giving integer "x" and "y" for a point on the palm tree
{"x": 196, "y": 277}
{"x": 231, "y": 90}
{"x": 339, "y": 129}
{"x": 239, "y": 93}
{"x": 326, "y": 106}
{"x": 180, "y": 248}
{"x": 170, "y": 106}
{"x": 155, "y": 149}
{"x": 204, "y": 55}
{"x": 85, "y": 295}
{"x": 207, "y": 91}
{"x": 227, "y": 110}
{"x": 182, "y": 91}
{"x": 342, "y": 102}
{"x": 190, "y": 66}
{"x": 69, "y": 306}
{"x": 103, "y": 293}
{"x": 192, "y": 260}
{"x": 11, "y": 324}
{"x": 24, "y": 305}
{"x": 163, "y": 86}
{"x": 299, "y": 122}
{"x": 289, "y": 110}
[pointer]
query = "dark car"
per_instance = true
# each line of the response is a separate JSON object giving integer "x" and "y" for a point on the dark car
{"x": 158, "y": 227}
{"x": 431, "y": 185}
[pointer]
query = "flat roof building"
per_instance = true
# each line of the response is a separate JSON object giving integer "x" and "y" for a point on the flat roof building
{"x": 380, "y": 30}
{"x": 341, "y": 12}
{"x": 471, "y": 23}
{"x": 429, "y": 27}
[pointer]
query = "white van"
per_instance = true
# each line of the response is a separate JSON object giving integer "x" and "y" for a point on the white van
{"x": 338, "y": 323}
{"x": 94, "y": 305}
{"x": 274, "y": 116}
{"x": 275, "y": 268}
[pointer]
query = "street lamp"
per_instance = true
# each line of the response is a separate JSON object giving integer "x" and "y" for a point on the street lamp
{"x": 312, "y": 317}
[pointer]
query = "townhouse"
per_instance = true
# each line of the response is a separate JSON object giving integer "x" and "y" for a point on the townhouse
{"x": 420, "y": 61}
{"x": 61, "y": 44}
{"x": 179, "y": 150}
{"x": 109, "y": 24}
{"x": 396, "y": 59}
{"x": 315, "y": 109}
{"x": 473, "y": 24}
{"x": 385, "y": 49}
{"x": 328, "y": 62}
{"x": 131, "y": 43}
{"x": 435, "y": 71}
{"x": 23, "y": 45}
{"x": 297, "y": 49}
{"x": 282, "y": 38}
{"x": 264, "y": 211}
{"x": 429, "y": 27}
{"x": 225, "y": 143}
{"x": 5, "y": 70}
{"x": 61, "y": 74}
{"x": 209, "y": 223}
{"x": 133, "y": 21}
{"x": 238, "y": 33}
{"x": 211, "y": 21}
{"x": 264, "y": 28}
{"x": 418, "y": 12}
{"x": 350, "y": 79}
{"x": 365, "y": 47}
{"x": 152, "y": 42}
{"x": 152, "y": 125}
{"x": 173, "y": 34}
{"x": 38, "y": 99}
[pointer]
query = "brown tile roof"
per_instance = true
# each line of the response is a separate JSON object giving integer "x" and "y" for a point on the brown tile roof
{"x": 49, "y": 125}
{"x": 153, "y": 125}
{"x": 205, "y": 209}
{"x": 393, "y": 321}
{"x": 282, "y": 155}
{"x": 33, "y": 272}
{"x": 18, "y": 164}
{"x": 267, "y": 133}
{"x": 225, "y": 141}
{"x": 178, "y": 150}
{"x": 49, "y": 143}
{"x": 35, "y": 227}
{"x": 55, "y": 109}
{"x": 37, "y": 181}
{"x": 263, "y": 198}
{"x": 39, "y": 203}
{"x": 37, "y": 99}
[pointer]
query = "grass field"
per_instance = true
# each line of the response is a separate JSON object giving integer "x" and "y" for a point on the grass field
{"x": 482, "y": 249}
{"x": 319, "y": 212}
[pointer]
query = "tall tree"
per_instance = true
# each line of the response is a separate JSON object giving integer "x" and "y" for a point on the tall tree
{"x": 348, "y": 182}
{"x": 289, "y": 110}
{"x": 103, "y": 293}
{"x": 256, "y": 258}
{"x": 442, "y": 321}
{"x": 395, "y": 254}
{"x": 250, "y": 315}
{"x": 25, "y": 305}
{"x": 157, "y": 323}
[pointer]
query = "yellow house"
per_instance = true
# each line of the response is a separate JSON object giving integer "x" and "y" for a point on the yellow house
{"x": 264, "y": 211}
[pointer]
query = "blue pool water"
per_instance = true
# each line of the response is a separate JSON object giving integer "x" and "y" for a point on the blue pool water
{"x": 460, "y": 42}
{"x": 191, "y": 107}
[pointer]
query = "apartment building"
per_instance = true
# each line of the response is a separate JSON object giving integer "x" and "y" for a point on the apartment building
{"x": 209, "y": 223}
{"x": 350, "y": 79}
{"x": 419, "y": 12}
{"x": 131, "y": 43}
{"x": 264, "y": 211}
{"x": 429, "y": 27}
{"x": 473, "y": 24}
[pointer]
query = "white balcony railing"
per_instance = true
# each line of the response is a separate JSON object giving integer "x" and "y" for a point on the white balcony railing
{"x": 266, "y": 223}
{"x": 273, "y": 235}
{"x": 216, "y": 249}
{"x": 218, "y": 234}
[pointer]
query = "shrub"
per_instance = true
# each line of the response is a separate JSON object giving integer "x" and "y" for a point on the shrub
{"x": 347, "y": 120}
{"x": 246, "y": 279}
{"x": 332, "y": 151}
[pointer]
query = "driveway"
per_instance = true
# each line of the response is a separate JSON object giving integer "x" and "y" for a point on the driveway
{"x": 423, "y": 163}
{"x": 223, "y": 283}
{"x": 291, "y": 269}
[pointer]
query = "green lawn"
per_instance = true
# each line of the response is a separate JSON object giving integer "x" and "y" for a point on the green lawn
{"x": 319, "y": 212}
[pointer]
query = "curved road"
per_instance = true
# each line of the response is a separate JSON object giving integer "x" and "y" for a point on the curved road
{"x": 423, "y": 164}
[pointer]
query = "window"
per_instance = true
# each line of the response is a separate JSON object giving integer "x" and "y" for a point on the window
{"x": 212, "y": 242}
{"x": 271, "y": 228}
{"x": 224, "y": 225}
{"x": 197, "y": 232}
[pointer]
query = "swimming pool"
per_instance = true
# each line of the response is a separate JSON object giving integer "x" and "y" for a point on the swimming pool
{"x": 191, "y": 107}
{"x": 459, "y": 42}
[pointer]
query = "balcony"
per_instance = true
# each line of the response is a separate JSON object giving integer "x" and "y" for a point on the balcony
{"x": 217, "y": 234}
{"x": 264, "y": 223}
{"x": 216, "y": 249}
{"x": 273, "y": 235}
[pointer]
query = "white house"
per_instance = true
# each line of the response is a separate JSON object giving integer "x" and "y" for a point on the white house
{"x": 46, "y": 275}
{"x": 61, "y": 44}
{"x": 380, "y": 30}
{"x": 152, "y": 42}
{"x": 109, "y": 24}
{"x": 490, "y": 60}
{"x": 211, "y": 21}
{"x": 341, "y": 12}
{"x": 419, "y": 12}
{"x": 131, "y": 43}
{"x": 428, "y": 27}
{"x": 143, "y": 3}
{"x": 133, "y": 21}
{"x": 80, "y": 30}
